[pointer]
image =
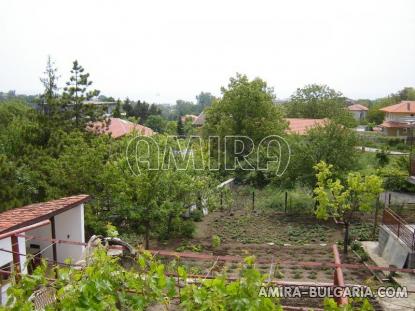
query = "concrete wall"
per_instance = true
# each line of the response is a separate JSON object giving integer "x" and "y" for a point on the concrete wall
{"x": 70, "y": 226}
{"x": 393, "y": 250}
{"x": 359, "y": 115}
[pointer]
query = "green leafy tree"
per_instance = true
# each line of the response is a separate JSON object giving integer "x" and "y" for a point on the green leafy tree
{"x": 343, "y": 200}
{"x": 180, "y": 128}
{"x": 318, "y": 102}
{"x": 331, "y": 142}
{"x": 76, "y": 92}
{"x": 204, "y": 100}
{"x": 117, "y": 110}
{"x": 49, "y": 99}
{"x": 156, "y": 123}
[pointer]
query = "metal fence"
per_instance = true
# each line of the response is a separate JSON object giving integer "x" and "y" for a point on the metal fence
{"x": 404, "y": 231}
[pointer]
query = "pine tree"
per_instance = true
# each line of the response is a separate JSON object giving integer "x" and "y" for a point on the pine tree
{"x": 180, "y": 127}
{"x": 76, "y": 93}
{"x": 117, "y": 110}
{"x": 49, "y": 98}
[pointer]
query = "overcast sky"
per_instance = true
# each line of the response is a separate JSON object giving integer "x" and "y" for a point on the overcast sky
{"x": 161, "y": 51}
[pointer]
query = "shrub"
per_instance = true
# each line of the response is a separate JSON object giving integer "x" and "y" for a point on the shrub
{"x": 215, "y": 241}
{"x": 187, "y": 229}
{"x": 196, "y": 215}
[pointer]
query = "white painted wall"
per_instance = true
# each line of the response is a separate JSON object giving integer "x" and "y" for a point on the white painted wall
{"x": 44, "y": 232}
{"x": 6, "y": 258}
{"x": 70, "y": 226}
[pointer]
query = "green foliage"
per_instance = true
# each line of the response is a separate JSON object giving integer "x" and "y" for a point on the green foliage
{"x": 332, "y": 143}
{"x": 219, "y": 294}
{"x": 117, "y": 111}
{"x": 76, "y": 93}
{"x": 215, "y": 241}
{"x": 342, "y": 200}
{"x": 317, "y": 102}
{"x": 196, "y": 215}
{"x": 156, "y": 123}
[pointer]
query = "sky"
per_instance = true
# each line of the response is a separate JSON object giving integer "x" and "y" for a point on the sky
{"x": 160, "y": 51}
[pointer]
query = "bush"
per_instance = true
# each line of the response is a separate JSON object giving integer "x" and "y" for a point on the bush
{"x": 215, "y": 241}
{"x": 196, "y": 215}
{"x": 187, "y": 229}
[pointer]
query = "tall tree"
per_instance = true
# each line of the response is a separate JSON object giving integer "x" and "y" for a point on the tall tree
{"x": 76, "y": 92}
{"x": 342, "y": 201}
{"x": 117, "y": 110}
{"x": 180, "y": 127}
{"x": 204, "y": 100}
{"x": 49, "y": 98}
{"x": 317, "y": 102}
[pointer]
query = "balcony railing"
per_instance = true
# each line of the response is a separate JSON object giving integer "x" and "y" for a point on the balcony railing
{"x": 399, "y": 227}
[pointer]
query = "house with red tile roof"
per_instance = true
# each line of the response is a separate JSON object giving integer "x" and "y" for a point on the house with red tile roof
{"x": 200, "y": 120}
{"x": 32, "y": 228}
{"x": 398, "y": 118}
{"x": 358, "y": 111}
{"x": 117, "y": 128}
{"x": 190, "y": 117}
{"x": 301, "y": 126}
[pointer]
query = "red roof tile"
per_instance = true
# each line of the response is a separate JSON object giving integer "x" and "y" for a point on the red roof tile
{"x": 357, "y": 107}
{"x": 200, "y": 120}
{"x": 119, "y": 127}
{"x": 33, "y": 213}
{"x": 301, "y": 126}
{"x": 406, "y": 106}
{"x": 393, "y": 124}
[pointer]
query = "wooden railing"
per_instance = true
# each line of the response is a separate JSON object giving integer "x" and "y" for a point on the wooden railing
{"x": 399, "y": 227}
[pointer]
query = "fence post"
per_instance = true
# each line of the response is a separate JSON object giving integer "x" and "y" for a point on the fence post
{"x": 253, "y": 200}
{"x": 389, "y": 199}
{"x": 376, "y": 217}
{"x": 286, "y": 202}
{"x": 221, "y": 200}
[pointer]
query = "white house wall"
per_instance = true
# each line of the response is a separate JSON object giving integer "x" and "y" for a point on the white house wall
{"x": 44, "y": 232}
{"x": 6, "y": 258}
{"x": 70, "y": 226}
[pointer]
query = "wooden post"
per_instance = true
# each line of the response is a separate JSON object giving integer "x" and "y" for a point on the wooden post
{"x": 253, "y": 200}
{"x": 221, "y": 200}
{"x": 389, "y": 199}
{"x": 16, "y": 256}
{"x": 375, "y": 224}
{"x": 53, "y": 232}
{"x": 286, "y": 202}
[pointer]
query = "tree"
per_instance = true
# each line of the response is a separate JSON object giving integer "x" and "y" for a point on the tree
{"x": 180, "y": 127}
{"x": 204, "y": 100}
{"x": 117, "y": 110}
{"x": 343, "y": 200}
{"x": 331, "y": 142}
{"x": 49, "y": 98}
{"x": 317, "y": 102}
{"x": 76, "y": 93}
{"x": 156, "y": 123}
{"x": 407, "y": 93}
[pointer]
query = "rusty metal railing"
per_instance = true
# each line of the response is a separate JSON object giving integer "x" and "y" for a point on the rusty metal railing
{"x": 404, "y": 231}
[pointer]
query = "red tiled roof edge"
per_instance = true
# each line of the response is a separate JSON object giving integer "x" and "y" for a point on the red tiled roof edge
{"x": 41, "y": 211}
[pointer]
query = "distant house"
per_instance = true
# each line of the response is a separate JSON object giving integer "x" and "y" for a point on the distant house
{"x": 359, "y": 111}
{"x": 190, "y": 117}
{"x": 117, "y": 127}
{"x": 200, "y": 120}
{"x": 302, "y": 126}
{"x": 398, "y": 118}
{"x": 107, "y": 107}
{"x": 30, "y": 230}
